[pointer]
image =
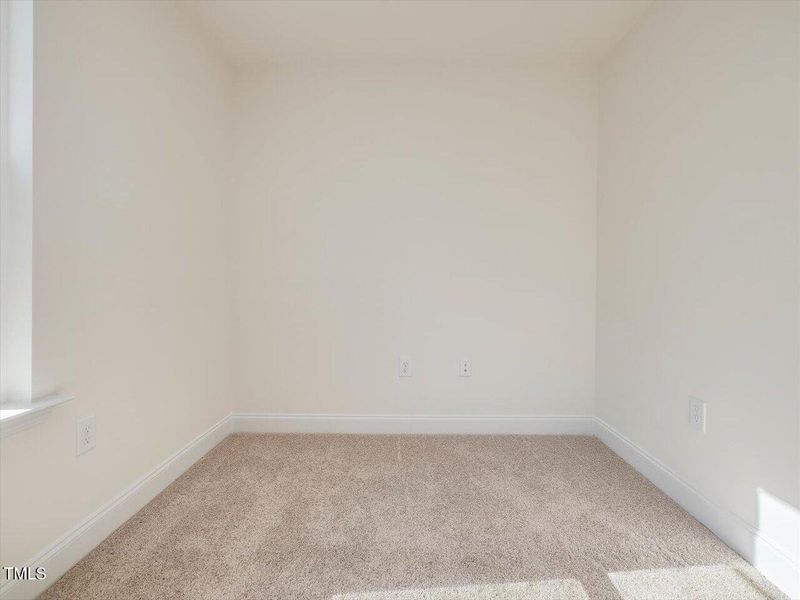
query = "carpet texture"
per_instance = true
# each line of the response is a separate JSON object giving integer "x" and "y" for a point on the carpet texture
{"x": 346, "y": 517}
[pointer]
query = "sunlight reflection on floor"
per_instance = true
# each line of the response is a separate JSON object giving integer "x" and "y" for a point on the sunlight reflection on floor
{"x": 561, "y": 589}
{"x": 716, "y": 582}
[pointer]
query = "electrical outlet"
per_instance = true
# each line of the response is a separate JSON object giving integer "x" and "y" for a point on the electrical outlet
{"x": 464, "y": 368}
{"x": 697, "y": 414}
{"x": 404, "y": 367}
{"x": 87, "y": 434}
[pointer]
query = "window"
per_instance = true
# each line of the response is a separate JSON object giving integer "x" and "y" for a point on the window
{"x": 17, "y": 408}
{"x": 16, "y": 206}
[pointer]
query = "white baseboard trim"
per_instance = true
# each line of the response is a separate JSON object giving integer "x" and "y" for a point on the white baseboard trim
{"x": 411, "y": 424}
{"x": 777, "y": 566}
{"x": 60, "y": 556}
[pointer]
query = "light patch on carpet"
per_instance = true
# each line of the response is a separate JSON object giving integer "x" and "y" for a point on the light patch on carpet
{"x": 687, "y": 583}
{"x": 552, "y": 589}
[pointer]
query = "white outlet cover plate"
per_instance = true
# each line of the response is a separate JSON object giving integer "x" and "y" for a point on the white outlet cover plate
{"x": 464, "y": 368}
{"x": 698, "y": 413}
{"x": 404, "y": 367}
{"x": 87, "y": 434}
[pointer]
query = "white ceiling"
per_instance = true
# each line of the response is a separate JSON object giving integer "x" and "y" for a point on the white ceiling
{"x": 255, "y": 31}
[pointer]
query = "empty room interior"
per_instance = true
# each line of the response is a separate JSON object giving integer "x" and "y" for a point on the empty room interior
{"x": 400, "y": 300}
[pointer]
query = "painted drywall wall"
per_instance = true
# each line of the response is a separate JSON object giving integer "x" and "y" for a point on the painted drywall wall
{"x": 130, "y": 298}
{"x": 419, "y": 211}
{"x": 698, "y": 251}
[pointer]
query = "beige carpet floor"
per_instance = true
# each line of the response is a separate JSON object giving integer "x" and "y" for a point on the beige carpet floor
{"x": 411, "y": 517}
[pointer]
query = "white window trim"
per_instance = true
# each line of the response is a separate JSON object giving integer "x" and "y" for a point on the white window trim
{"x": 17, "y": 408}
{"x": 17, "y": 419}
{"x": 16, "y": 203}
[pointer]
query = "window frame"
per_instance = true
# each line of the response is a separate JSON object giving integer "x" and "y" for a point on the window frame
{"x": 18, "y": 408}
{"x": 16, "y": 202}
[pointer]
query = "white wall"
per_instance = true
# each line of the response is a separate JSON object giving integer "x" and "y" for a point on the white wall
{"x": 423, "y": 211}
{"x": 130, "y": 297}
{"x": 698, "y": 250}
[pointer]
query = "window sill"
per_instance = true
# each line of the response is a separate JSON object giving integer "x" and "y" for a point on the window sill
{"x": 17, "y": 418}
